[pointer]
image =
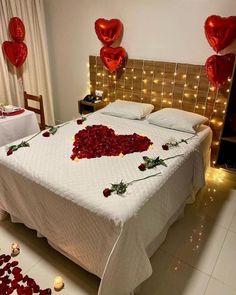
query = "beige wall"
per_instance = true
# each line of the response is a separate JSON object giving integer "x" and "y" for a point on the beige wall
{"x": 170, "y": 30}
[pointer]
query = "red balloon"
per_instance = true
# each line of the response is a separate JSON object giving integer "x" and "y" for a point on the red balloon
{"x": 113, "y": 58}
{"x": 108, "y": 31}
{"x": 15, "y": 52}
{"x": 219, "y": 68}
{"x": 17, "y": 29}
{"x": 220, "y": 31}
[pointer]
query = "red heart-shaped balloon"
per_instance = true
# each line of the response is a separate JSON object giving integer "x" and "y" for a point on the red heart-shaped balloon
{"x": 220, "y": 31}
{"x": 108, "y": 31}
{"x": 219, "y": 68}
{"x": 17, "y": 29}
{"x": 113, "y": 58}
{"x": 15, "y": 52}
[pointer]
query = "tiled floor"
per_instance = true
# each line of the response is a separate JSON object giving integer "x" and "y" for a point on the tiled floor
{"x": 197, "y": 258}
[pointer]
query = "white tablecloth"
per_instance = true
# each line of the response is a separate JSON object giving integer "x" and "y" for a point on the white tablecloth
{"x": 15, "y": 127}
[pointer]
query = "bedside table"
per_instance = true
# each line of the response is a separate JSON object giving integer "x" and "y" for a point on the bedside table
{"x": 89, "y": 107}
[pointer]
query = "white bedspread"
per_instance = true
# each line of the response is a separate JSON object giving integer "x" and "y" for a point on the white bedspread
{"x": 62, "y": 199}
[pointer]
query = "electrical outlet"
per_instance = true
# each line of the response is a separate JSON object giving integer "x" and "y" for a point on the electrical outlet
{"x": 99, "y": 93}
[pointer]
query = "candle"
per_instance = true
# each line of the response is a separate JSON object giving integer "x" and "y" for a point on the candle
{"x": 58, "y": 283}
{"x": 15, "y": 249}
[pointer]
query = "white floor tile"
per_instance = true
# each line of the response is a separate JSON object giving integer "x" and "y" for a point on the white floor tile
{"x": 173, "y": 277}
{"x": 196, "y": 241}
{"x": 218, "y": 288}
{"x": 225, "y": 269}
{"x": 77, "y": 280}
{"x": 216, "y": 201}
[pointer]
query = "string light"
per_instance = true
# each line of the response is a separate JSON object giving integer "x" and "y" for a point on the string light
{"x": 185, "y": 85}
{"x": 198, "y": 77}
{"x": 184, "y": 76}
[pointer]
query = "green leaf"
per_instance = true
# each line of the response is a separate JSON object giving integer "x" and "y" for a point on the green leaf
{"x": 53, "y": 130}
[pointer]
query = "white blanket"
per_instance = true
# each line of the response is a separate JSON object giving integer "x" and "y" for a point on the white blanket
{"x": 107, "y": 236}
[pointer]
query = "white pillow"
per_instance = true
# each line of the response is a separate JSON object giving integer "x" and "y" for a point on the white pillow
{"x": 128, "y": 109}
{"x": 177, "y": 119}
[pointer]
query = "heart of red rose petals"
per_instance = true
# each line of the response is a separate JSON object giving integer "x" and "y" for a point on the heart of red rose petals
{"x": 97, "y": 140}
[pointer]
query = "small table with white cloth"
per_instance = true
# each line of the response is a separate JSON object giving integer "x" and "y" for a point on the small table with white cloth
{"x": 18, "y": 126}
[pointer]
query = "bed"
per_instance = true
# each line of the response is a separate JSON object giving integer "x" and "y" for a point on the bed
{"x": 63, "y": 200}
{"x": 113, "y": 237}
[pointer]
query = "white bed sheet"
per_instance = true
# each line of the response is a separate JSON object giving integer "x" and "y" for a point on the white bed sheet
{"x": 113, "y": 237}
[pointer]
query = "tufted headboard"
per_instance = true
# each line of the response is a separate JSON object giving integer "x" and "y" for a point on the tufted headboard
{"x": 164, "y": 84}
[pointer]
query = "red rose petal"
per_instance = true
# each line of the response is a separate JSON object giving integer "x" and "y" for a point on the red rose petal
{"x": 14, "y": 263}
{"x": 16, "y": 270}
{"x": 7, "y": 258}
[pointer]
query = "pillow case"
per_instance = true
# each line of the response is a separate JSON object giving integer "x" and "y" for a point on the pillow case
{"x": 177, "y": 119}
{"x": 128, "y": 109}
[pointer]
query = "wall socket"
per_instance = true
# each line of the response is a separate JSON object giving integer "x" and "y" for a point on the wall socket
{"x": 99, "y": 93}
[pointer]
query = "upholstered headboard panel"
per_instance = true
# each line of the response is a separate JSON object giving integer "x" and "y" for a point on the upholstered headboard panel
{"x": 164, "y": 84}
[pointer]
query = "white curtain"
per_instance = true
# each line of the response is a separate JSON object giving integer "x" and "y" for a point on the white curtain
{"x": 34, "y": 76}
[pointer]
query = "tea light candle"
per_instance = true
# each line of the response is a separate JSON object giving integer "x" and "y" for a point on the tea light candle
{"x": 58, "y": 283}
{"x": 15, "y": 249}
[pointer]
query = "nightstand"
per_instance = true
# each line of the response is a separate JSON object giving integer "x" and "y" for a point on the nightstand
{"x": 90, "y": 107}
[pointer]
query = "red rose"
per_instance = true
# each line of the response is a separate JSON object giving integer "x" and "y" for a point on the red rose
{"x": 165, "y": 147}
{"x": 46, "y": 134}
{"x": 9, "y": 152}
{"x": 106, "y": 192}
{"x": 80, "y": 121}
{"x": 142, "y": 167}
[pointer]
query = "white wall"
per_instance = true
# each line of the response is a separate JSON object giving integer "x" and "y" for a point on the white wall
{"x": 168, "y": 30}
